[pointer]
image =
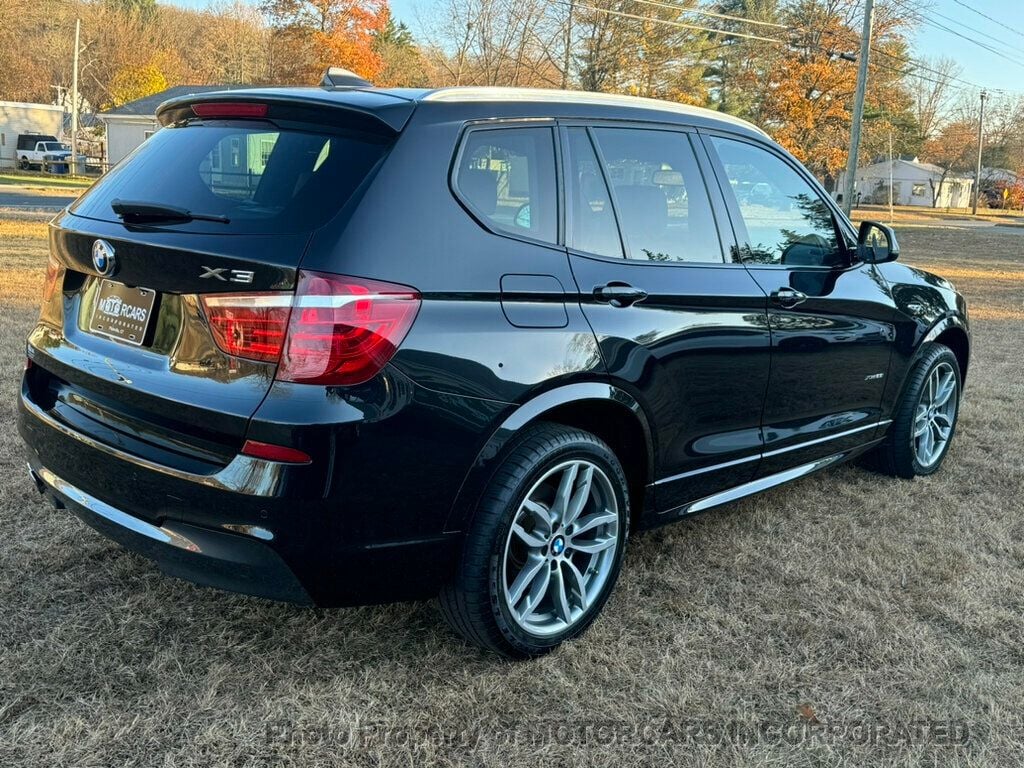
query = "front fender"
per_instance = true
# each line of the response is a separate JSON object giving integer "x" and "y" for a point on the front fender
{"x": 487, "y": 461}
{"x": 955, "y": 323}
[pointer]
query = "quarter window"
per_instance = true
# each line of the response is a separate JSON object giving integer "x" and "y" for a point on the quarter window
{"x": 787, "y": 221}
{"x": 507, "y": 176}
{"x": 662, "y": 204}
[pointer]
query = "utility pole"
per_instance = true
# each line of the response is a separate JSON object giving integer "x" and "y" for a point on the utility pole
{"x": 568, "y": 47}
{"x": 890, "y": 173}
{"x": 73, "y": 169}
{"x": 858, "y": 106}
{"x": 977, "y": 169}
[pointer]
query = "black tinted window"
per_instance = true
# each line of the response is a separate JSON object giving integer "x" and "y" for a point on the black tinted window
{"x": 593, "y": 221}
{"x": 662, "y": 204}
{"x": 264, "y": 180}
{"x": 787, "y": 222}
{"x": 507, "y": 176}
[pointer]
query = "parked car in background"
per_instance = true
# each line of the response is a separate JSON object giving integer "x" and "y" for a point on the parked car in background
{"x": 348, "y": 345}
{"x": 39, "y": 151}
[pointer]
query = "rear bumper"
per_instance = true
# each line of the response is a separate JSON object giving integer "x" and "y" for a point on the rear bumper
{"x": 255, "y": 527}
{"x": 219, "y": 559}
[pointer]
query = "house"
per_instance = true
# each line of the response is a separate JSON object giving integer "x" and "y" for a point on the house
{"x": 131, "y": 124}
{"x": 913, "y": 183}
{"x": 17, "y": 118}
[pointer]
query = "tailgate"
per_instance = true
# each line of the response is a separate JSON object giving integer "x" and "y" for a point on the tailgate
{"x": 175, "y": 390}
{"x": 124, "y": 346}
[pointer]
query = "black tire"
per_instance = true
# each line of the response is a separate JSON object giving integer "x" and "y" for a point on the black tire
{"x": 473, "y": 603}
{"x": 25, "y": 165}
{"x": 896, "y": 455}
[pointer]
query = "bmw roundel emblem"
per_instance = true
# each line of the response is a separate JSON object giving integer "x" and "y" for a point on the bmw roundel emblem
{"x": 103, "y": 257}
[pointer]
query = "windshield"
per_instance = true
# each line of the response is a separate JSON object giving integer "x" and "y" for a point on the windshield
{"x": 54, "y": 146}
{"x": 262, "y": 179}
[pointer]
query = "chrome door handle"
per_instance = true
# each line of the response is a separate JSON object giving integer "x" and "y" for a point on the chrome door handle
{"x": 788, "y": 297}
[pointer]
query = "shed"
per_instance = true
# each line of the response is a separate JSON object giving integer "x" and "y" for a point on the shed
{"x": 17, "y": 118}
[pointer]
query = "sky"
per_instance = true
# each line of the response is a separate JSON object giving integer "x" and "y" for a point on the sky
{"x": 979, "y": 66}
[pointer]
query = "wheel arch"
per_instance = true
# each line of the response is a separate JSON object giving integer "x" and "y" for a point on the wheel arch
{"x": 956, "y": 339}
{"x": 608, "y": 412}
{"x": 950, "y": 331}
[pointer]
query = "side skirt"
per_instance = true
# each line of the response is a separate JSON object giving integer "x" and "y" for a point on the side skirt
{"x": 752, "y": 487}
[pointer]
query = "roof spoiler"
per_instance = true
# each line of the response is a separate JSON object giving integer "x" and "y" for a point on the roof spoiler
{"x": 363, "y": 109}
{"x": 339, "y": 77}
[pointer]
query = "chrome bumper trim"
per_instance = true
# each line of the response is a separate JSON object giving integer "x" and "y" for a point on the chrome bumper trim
{"x": 50, "y": 481}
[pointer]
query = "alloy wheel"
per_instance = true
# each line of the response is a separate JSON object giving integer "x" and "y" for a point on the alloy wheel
{"x": 935, "y": 415}
{"x": 561, "y": 548}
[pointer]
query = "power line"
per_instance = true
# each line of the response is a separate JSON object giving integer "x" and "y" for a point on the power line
{"x": 911, "y": 73}
{"x": 729, "y": 33}
{"x": 677, "y": 24}
{"x": 968, "y": 38}
{"x": 938, "y": 25}
{"x": 920, "y": 65}
{"x": 983, "y": 33}
{"x": 986, "y": 16}
{"x": 915, "y": 62}
{"x": 727, "y": 17}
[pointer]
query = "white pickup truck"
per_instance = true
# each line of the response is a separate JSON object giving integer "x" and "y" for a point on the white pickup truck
{"x": 38, "y": 151}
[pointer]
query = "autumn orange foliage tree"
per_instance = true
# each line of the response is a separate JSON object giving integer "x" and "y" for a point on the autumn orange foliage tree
{"x": 311, "y": 35}
{"x": 807, "y": 102}
{"x": 807, "y": 109}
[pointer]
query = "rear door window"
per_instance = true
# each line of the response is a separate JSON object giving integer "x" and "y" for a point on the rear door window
{"x": 662, "y": 204}
{"x": 507, "y": 177}
{"x": 593, "y": 228}
{"x": 263, "y": 179}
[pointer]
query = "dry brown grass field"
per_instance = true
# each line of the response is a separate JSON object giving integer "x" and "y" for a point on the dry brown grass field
{"x": 802, "y": 627}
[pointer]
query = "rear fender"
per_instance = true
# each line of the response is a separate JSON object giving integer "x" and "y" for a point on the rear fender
{"x": 489, "y": 458}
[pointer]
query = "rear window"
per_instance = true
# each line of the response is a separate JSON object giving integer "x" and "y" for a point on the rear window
{"x": 29, "y": 140}
{"x": 263, "y": 179}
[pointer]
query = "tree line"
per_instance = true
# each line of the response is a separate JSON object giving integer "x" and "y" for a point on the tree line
{"x": 787, "y": 65}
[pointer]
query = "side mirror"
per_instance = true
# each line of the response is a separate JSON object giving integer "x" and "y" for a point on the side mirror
{"x": 876, "y": 243}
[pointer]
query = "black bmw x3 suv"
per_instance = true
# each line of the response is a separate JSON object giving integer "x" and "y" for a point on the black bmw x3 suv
{"x": 349, "y": 345}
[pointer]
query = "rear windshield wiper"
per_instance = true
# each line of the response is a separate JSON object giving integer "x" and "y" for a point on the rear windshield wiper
{"x": 134, "y": 212}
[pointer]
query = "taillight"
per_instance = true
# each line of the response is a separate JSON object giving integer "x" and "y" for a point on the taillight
{"x": 250, "y": 325}
{"x": 335, "y": 329}
{"x": 229, "y": 109}
{"x": 343, "y": 330}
